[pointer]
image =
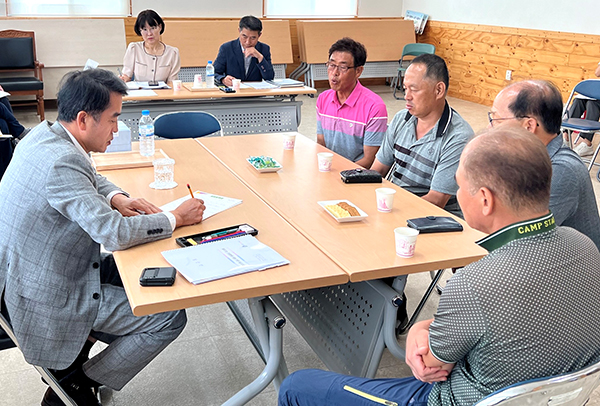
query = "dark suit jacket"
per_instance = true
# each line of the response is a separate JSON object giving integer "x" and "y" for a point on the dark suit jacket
{"x": 230, "y": 61}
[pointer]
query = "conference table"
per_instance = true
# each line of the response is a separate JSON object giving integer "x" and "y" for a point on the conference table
{"x": 341, "y": 258}
{"x": 247, "y": 111}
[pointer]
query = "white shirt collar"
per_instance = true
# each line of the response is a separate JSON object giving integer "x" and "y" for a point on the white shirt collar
{"x": 77, "y": 144}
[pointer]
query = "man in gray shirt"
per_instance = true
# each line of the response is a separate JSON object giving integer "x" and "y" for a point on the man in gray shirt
{"x": 500, "y": 320}
{"x": 423, "y": 143}
{"x": 536, "y": 105}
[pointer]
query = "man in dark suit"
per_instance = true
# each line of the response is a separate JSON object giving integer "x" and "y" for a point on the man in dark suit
{"x": 244, "y": 58}
{"x": 57, "y": 287}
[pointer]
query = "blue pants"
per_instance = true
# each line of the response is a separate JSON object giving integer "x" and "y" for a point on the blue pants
{"x": 314, "y": 387}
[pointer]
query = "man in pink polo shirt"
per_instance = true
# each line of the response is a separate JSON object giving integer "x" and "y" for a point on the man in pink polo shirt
{"x": 351, "y": 119}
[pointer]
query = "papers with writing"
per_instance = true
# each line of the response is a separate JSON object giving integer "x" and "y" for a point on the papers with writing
{"x": 223, "y": 258}
{"x": 261, "y": 85}
{"x": 145, "y": 85}
{"x": 214, "y": 203}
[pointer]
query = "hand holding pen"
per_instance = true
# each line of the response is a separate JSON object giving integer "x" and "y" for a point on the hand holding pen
{"x": 190, "y": 211}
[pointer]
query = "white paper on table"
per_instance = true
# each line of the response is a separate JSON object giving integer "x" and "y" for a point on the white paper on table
{"x": 145, "y": 85}
{"x": 141, "y": 93}
{"x": 260, "y": 85}
{"x": 214, "y": 203}
{"x": 223, "y": 258}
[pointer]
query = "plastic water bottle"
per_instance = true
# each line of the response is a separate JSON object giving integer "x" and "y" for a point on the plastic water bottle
{"x": 210, "y": 75}
{"x": 146, "y": 130}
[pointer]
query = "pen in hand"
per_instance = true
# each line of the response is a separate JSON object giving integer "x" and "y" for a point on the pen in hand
{"x": 190, "y": 189}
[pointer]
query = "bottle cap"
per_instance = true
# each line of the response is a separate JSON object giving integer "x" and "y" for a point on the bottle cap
{"x": 209, "y": 61}
{"x": 145, "y": 112}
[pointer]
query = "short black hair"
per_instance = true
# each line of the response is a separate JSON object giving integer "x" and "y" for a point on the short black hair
{"x": 354, "y": 48}
{"x": 541, "y": 100}
{"x": 150, "y": 17}
{"x": 435, "y": 68}
{"x": 88, "y": 91}
{"x": 251, "y": 23}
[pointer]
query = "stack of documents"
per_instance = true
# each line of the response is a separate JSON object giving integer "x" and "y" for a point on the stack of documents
{"x": 223, "y": 258}
{"x": 286, "y": 83}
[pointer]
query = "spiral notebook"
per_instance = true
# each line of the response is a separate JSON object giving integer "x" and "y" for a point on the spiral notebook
{"x": 223, "y": 258}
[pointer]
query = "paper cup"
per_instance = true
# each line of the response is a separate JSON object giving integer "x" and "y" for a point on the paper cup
{"x": 198, "y": 80}
{"x": 325, "y": 159}
{"x": 177, "y": 85}
{"x": 406, "y": 240}
{"x": 164, "y": 169}
{"x": 385, "y": 199}
{"x": 236, "y": 83}
{"x": 289, "y": 141}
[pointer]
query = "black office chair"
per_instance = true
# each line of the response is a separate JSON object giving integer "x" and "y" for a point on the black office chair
{"x": 186, "y": 124}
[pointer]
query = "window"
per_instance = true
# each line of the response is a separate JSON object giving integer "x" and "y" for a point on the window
{"x": 105, "y": 8}
{"x": 311, "y": 8}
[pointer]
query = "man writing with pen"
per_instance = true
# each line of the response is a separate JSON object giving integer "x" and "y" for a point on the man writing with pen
{"x": 60, "y": 293}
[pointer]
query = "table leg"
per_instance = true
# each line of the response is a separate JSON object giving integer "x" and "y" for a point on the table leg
{"x": 269, "y": 324}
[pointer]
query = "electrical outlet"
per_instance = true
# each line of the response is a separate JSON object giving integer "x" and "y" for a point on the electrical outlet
{"x": 508, "y": 74}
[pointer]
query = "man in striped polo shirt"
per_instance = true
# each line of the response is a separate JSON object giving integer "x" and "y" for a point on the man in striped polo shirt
{"x": 351, "y": 119}
{"x": 423, "y": 143}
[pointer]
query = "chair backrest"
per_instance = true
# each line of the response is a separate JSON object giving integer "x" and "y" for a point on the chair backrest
{"x": 589, "y": 88}
{"x": 417, "y": 49}
{"x": 186, "y": 124}
{"x": 572, "y": 389}
{"x": 17, "y": 49}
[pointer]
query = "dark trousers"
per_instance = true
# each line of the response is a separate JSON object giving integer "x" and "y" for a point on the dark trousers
{"x": 314, "y": 387}
{"x": 592, "y": 109}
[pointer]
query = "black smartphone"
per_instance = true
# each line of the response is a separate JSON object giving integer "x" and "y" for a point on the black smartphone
{"x": 158, "y": 276}
{"x": 152, "y": 83}
{"x": 214, "y": 235}
{"x": 226, "y": 89}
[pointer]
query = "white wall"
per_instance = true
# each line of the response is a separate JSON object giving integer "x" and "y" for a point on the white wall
{"x": 239, "y": 8}
{"x": 582, "y": 16}
{"x": 200, "y": 8}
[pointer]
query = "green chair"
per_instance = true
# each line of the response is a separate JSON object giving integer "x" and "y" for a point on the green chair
{"x": 409, "y": 50}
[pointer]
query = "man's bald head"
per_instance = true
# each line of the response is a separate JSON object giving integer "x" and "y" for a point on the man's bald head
{"x": 513, "y": 164}
{"x": 539, "y": 99}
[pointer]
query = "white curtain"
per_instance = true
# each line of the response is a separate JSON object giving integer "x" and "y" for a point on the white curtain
{"x": 102, "y": 8}
{"x": 311, "y": 8}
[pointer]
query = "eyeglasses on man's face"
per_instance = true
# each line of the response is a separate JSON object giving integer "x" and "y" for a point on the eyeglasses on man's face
{"x": 340, "y": 68}
{"x": 491, "y": 119}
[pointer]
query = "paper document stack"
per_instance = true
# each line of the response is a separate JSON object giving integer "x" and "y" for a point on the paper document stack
{"x": 223, "y": 258}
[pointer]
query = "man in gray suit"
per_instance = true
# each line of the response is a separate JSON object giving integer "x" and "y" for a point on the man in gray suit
{"x": 56, "y": 211}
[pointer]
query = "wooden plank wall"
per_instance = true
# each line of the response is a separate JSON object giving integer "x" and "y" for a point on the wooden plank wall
{"x": 479, "y": 55}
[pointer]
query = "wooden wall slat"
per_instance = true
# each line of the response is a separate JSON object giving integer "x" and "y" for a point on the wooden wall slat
{"x": 478, "y": 57}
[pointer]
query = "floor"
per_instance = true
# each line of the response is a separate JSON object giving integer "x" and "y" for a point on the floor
{"x": 212, "y": 359}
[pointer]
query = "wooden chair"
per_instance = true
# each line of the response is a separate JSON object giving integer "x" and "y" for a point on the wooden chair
{"x": 18, "y": 56}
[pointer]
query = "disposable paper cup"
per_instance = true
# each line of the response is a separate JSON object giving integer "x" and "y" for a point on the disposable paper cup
{"x": 198, "y": 80}
{"x": 385, "y": 199}
{"x": 289, "y": 141}
{"x": 163, "y": 173}
{"x": 406, "y": 240}
{"x": 236, "y": 83}
{"x": 177, "y": 85}
{"x": 324, "y": 159}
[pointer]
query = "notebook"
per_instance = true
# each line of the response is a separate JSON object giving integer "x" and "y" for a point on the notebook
{"x": 223, "y": 258}
{"x": 214, "y": 203}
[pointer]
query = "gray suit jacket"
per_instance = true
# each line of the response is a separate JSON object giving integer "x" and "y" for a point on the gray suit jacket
{"x": 54, "y": 217}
